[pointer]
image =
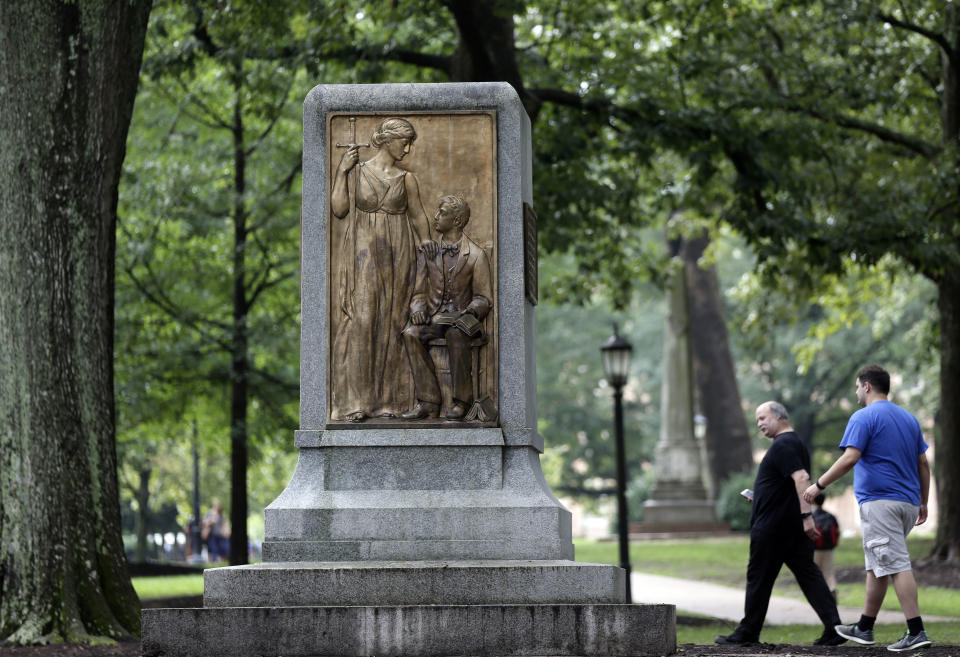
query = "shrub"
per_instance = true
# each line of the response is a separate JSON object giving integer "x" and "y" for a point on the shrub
{"x": 731, "y": 507}
{"x": 638, "y": 491}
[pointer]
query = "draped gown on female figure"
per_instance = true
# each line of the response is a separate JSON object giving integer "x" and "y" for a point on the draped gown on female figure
{"x": 377, "y": 273}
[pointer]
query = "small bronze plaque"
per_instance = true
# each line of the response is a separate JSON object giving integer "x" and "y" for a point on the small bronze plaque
{"x": 530, "y": 261}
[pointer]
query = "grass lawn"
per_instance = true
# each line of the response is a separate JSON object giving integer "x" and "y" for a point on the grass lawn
{"x": 168, "y": 586}
{"x": 723, "y": 560}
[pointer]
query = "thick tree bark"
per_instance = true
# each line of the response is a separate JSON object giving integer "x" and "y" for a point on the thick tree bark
{"x": 947, "y": 464}
{"x": 727, "y": 439}
{"x": 485, "y": 49}
{"x": 947, "y": 456}
{"x": 68, "y": 77}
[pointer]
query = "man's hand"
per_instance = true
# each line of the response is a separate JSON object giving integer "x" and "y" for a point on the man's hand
{"x": 922, "y": 518}
{"x": 810, "y": 528}
{"x": 419, "y": 317}
{"x": 810, "y": 493}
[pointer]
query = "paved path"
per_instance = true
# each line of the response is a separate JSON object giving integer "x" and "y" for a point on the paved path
{"x": 727, "y": 603}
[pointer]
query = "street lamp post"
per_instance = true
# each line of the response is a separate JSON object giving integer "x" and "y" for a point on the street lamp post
{"x": 616, "y": 364}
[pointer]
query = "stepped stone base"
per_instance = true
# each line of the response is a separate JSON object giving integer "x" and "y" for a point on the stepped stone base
{"x": 381, "y": 584}
{"x": 401, "y": 631}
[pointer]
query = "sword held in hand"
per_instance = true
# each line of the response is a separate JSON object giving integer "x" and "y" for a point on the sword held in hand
{"x": 353, "y": 136}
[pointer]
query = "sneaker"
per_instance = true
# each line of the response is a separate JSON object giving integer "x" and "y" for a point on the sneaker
{"x": 830, "y": 638}
{"x": 854, "y": 633}
{"x": 910, "y": 642}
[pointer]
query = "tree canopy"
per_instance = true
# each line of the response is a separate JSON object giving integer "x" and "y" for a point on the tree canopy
{"x": 824, "y": 133}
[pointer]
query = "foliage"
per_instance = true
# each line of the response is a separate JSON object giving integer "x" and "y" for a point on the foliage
{"x": 574, "y": 402}
{"x": 638, "y": 492}
{"x": 207, "y": 252}
{"x": 805, "y": 352}
{"x": 732, "y": 508}
{"x": 795, "y": 124}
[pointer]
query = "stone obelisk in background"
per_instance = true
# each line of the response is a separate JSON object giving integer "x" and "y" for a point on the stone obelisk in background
{"x": 678, "y": 499}
{"x": 418, "y": 521}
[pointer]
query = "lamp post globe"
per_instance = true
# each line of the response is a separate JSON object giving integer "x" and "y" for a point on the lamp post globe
{"x": 617, "y": 353}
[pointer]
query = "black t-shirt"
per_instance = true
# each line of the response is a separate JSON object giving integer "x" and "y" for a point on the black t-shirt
{"x": 776, "y": 508}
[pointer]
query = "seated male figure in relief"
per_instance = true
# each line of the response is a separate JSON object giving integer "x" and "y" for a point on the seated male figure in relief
{"x": 452, "y": 296}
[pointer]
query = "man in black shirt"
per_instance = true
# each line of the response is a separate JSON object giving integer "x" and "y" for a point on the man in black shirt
{"x": 782, "y": 531}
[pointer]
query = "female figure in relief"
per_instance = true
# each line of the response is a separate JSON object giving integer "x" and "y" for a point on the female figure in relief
{"x": 378, "y": 256}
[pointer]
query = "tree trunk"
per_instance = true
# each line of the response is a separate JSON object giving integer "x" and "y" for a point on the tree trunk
{"x": 727, "y": 440}
{"x": 68, "y": 77}
{"x": 947, "y": 456}
{"x": 947, "y": 466}
{"x": 143, "y": 514}
{"x": 485, "y": 48}
{"x": 240, "y": 370}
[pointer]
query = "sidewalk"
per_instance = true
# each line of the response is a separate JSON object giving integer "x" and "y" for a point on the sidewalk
{"x": 726, "y": 603}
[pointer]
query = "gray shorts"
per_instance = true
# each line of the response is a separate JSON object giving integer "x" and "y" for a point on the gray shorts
{"x": 886, "y": 524}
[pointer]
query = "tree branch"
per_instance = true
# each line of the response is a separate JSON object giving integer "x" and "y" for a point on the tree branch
{"x": 284, "y": 97}
{"x": 168, "y": 306}
{"x": 281, "y": 187}
{"x": 936, "y": 37}
{"x": 266, "y": 283}
{"x": 918, "y": 146}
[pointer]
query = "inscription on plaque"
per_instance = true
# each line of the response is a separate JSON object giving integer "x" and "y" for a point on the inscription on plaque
{"x": 412, "y": 268}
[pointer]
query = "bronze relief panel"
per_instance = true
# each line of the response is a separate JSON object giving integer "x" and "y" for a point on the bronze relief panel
{"x": 412, "y": 269}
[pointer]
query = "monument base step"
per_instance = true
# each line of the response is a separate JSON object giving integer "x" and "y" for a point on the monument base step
{"x": 386, "y": 583}
{"x": 414, "y": 631}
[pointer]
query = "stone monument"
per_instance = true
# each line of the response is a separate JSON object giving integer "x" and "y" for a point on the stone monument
{"x": 678, "y": 499}
{"x": 417, "y": 521}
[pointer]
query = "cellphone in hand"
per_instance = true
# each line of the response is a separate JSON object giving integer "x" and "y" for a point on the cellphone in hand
{"x": 747, "y": 493}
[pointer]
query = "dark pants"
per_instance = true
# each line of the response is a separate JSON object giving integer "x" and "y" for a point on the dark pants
{"x": 415, "y": 340}
{"x": 217, "y": 547}
{"x": 768, "y": 554}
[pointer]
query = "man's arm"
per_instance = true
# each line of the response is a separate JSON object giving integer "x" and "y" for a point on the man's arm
{"x": 801, "y": 480}
{"x": 923, "y": 468}
{"x": 840, "y": 467}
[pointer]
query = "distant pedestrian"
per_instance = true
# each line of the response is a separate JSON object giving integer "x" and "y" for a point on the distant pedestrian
{"x": 215, "y": 532}
{"x": 782, "y": 532}
{"x": 829, "y": 535}
{"x": 884, "y": 445}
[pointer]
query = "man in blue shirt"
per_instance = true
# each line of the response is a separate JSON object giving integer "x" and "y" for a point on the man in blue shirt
{"x": 884, "y": 445}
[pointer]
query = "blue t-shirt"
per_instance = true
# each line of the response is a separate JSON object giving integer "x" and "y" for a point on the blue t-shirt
{"x": 890, "y": 441}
